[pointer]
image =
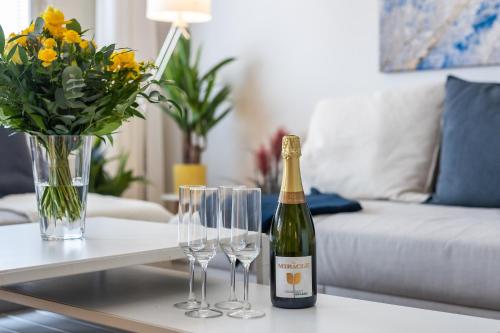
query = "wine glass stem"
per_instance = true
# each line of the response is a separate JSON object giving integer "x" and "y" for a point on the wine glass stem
{"x": 246, "y": 303}
{"x": 232, "y": 295}
{"x": 192, "y": 297}
{"x": 204, "y": 304}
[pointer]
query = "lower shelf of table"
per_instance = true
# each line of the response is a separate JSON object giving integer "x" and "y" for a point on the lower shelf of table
{"x": 141, "y": 298}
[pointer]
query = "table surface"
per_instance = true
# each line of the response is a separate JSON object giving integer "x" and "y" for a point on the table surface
{"x": 109, "y": 243}
{"x": 140, "y": 299}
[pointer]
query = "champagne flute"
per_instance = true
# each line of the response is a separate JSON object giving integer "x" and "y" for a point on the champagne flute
{"x": 246, "y": 226}
{"x": 203, "y": 240}
{"x": 225, "y": 209}
{"x": 182, "y": 236}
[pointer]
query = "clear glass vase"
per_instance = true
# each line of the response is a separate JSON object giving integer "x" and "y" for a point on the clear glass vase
{"x": 61, "y": 165}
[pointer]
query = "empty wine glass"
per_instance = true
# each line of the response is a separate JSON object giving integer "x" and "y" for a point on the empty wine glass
{"x": 246, "y": 226}
{"x": 203, "y": 240}
{"x": 182, "y": 236}
{"x": 225, "y": 209}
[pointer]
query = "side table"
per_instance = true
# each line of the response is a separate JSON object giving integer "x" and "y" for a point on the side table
{"x": 171, "y": 201}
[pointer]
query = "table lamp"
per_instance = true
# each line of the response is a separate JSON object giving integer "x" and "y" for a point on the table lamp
{"x": 180, "y": 13}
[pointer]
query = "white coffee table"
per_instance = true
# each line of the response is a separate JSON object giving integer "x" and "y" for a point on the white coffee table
{"x": 109, "y": 243}
{"x": 140, "y": 299}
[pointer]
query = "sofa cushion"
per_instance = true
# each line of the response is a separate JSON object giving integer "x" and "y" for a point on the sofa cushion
{"x": 382, "y": 146}
{"x": 16, "y": 175}
{"x": 469, "y": 167}
{"x": 97, "y": 205}
{"x": 438, "y": 253}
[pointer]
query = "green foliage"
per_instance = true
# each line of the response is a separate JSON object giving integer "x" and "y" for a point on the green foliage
{"x": 200, "y": 104}
{"x": 101, "y": 181}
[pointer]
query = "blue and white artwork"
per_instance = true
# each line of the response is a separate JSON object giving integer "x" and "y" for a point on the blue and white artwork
{"x": 437, "y": 34}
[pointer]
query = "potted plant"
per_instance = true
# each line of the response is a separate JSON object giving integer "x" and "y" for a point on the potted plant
{"x": 103, "y": 182}
{"x": 200, "y": 105}
{"x": 62, "y": 90}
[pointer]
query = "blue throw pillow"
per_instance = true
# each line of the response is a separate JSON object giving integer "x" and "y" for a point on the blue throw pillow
{"x": 469, "y": 167}
{"x": 16, "y": 175}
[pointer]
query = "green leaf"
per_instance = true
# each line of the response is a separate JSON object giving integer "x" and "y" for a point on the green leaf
{"x": 11, "y": 52}
{"x": 2, "y": 41}
{"x": 39, "y": 22}
{"x": 72, "y": 82}
{"x": 74, "y": 25}
{"x": 108, "y": 128}
{"x": 217, "y": 67}
{"x": 22, "y": 55}
{"x": 38, "y": 121}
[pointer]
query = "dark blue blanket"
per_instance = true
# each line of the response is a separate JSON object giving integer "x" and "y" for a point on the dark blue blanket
{"x": 319, "y": 203}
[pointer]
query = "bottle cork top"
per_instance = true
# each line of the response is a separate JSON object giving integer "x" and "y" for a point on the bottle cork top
{"x": 290, "y": 146}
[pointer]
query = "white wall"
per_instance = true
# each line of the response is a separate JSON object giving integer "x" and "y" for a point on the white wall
{"x": 291, "y": 54}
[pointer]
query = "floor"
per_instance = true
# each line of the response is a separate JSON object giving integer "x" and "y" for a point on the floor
{"x": 36, "y": 321}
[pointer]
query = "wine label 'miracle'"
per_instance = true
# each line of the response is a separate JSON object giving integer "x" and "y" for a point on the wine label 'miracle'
{"x": 293, "y": 277}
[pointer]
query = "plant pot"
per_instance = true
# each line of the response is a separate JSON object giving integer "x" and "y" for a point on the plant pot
{"x": 189, "y": 174}
{"x": 61, "y": 165}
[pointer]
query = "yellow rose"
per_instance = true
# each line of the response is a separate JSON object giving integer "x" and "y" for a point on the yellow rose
{"x": 49, "y": 43}
{"x": 56, "y": 30}
{"x": 24, "y": 40}
{"x": 54, "y": 21}
{"x": 47, "y": 56}
{"x": 84, "y": 44}
{"x": 124, "y": 59}
{"x": 71, "y": 36}
{"x": 53, "y": 16}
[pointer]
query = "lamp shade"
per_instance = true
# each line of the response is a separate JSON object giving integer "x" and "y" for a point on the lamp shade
{"x": 187, "y": 11}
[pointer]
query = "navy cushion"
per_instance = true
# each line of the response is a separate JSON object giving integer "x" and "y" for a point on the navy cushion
{"x": 319, "y": 203}
{"x": 16, "y": 175}
{"x": 469, "y": 167}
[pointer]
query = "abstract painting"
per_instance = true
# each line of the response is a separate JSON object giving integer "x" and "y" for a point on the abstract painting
{"x": 438, "y": 34}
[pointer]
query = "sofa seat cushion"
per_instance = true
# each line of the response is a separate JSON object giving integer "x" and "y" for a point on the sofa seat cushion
{"x": 97, "y": 205}
{"x": 440, "y": 253}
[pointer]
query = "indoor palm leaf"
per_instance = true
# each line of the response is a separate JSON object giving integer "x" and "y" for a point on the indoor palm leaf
{"x": 201, "y": 103}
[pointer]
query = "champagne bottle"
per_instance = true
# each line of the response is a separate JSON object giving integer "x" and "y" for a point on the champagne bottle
{"x": 292, "y": 238}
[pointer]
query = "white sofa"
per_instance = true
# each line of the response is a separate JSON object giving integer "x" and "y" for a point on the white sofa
{"x": 382, "y": 150}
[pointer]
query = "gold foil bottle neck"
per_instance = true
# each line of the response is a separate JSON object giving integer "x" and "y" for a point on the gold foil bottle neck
{"x": 290, "y": 147}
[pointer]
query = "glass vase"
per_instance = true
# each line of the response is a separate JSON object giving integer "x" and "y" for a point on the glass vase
{"x": 61, "y": 165}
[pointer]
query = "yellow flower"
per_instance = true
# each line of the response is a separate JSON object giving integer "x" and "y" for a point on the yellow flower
{"x": 47, "y": 56}
{"x": 124, "y": 59}
{"x": 49, "y": 43}
{"x": 71, "y": 36}
{"x": 53, "y": 16}
{"x": 54, "y": 21}
{"x": 84, "y": 44}
{"x": 24, "y": 40}
{"x": 55, "y": 30}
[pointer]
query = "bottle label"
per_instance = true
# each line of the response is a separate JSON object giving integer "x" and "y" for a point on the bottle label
{"x": 293, "y": 277}
{"x": 292, "y": 197}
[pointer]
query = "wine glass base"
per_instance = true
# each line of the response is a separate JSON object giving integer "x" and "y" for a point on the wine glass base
{"x": 188, "y": 305}
{"x": 246, "y": 314}
{"x": 204, "y": 313}
{"x": 229, "y": 305}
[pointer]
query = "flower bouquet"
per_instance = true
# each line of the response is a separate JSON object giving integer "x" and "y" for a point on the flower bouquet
{"x": 61, "y": 89}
